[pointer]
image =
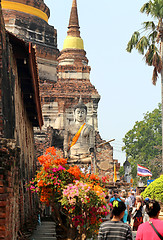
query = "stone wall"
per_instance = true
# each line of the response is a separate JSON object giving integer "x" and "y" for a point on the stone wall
{"x": 17, "y": 162}
{"x": 9, "y": 189}
{"x": 6, "y": 86}
{"x": 25, "y": 140}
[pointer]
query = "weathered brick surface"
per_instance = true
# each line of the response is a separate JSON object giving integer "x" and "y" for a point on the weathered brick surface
{"x": 9, "y": 210}
{"x": 17, "y": 164}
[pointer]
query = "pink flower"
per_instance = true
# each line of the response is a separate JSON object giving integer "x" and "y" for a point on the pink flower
{"x": 60, "y": 168}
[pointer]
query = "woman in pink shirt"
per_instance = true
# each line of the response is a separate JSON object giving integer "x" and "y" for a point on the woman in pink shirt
{"x": 145, "y": 230}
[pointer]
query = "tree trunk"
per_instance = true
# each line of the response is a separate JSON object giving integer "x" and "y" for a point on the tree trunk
{"x": 71, "y": 233}
{"x": 161, "y": 31}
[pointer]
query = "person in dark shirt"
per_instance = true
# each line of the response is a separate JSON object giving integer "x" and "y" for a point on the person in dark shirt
{"x": 115, "y": 229}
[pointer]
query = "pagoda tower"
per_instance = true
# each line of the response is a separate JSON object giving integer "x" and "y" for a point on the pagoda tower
{"x": 73, "y": 74}
{"x": 28, "y": 20}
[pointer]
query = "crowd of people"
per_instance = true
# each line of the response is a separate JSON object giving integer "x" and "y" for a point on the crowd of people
{"x": 129, "y": 212}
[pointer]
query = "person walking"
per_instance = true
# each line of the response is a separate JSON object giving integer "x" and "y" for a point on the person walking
{"x": 138, "y": 217}
{"x": 115, "y": 229}
{"x": 153, "y": 229}
{"x": 144, "y": 212}
{"x": 130, "y": 208}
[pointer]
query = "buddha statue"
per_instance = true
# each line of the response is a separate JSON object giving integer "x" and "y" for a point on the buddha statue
{"x": 79, "y": 137}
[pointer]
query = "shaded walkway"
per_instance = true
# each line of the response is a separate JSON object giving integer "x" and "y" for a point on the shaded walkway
{"x": 46, "y": 230}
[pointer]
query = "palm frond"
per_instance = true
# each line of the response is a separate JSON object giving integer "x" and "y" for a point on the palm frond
{"x": 149, "y": 56}
{"x": 149, "y": 24}
{"x": 157, "y": 9}
{"x": 142, "y": 44}
{"x": 159, "y": 64}
{"x": 133, "y": 41}
{"x": 153, "y": 58}
{"x": 146, "y": 8}
{"x": 153, "y": 36}
{"x": 155, "y": 76}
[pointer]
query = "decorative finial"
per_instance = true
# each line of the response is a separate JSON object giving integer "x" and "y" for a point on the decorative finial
{"x": 74, "y": 21}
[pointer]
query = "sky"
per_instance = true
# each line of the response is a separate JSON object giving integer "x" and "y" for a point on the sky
{"x": 122, "y": 79}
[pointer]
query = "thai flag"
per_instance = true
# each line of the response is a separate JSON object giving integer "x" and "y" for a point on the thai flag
{"x": 143, "y": 171}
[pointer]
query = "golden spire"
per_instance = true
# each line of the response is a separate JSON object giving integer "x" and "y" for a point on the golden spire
{"x": 73, "y": 39}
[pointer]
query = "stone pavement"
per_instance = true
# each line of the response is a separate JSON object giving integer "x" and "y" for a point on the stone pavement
{"x": 134, "y": 234}
{"x": 45, "y": 231}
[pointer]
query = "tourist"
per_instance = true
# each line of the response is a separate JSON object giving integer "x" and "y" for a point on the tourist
{"x": 82, "y": 169}
{"x": 115, "y": 229}
{"x": 144, "y": 212}
{"x": 137, "y": 215}
{"x": 127, "y": 203}
{"x": 116, "y": 197}
{"x": 88, "y": 171}
{"x": 133, "y": 198}
{"x": 130, "y": 207}
{"x": 145, "y": 230}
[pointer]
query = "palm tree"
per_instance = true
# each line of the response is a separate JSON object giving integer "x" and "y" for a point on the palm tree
{"x": 149, "y": 42}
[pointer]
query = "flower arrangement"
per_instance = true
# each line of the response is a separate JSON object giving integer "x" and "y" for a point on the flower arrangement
{"x": 81, "y": 198}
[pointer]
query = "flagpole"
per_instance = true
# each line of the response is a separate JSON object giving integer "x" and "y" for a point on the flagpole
{"x": 137, "y": 175}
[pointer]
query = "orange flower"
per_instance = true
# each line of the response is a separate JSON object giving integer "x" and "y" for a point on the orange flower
{"x": 75, "y": 171}
{"x": 51, "y": 150}
{"x": 60, "y": 161}
{"x": 51, "y": 158}
{"x": 45, "y": 195}
{"x": 94, "y": 177}
{"x": 41, "y": 183}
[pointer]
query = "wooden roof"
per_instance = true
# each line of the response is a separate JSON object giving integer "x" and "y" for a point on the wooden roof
{"x": 28, "y": 76}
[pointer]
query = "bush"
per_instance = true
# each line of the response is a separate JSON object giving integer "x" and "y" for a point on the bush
{"x": 154, "y": 190}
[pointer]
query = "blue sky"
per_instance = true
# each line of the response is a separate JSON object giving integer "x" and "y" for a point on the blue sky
{"x": 122, "y": 79}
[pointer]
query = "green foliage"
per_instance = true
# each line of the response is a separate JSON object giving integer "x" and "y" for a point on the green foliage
{"x": 149, "y": 25}
{"x": 147, "y": 40}
{"x": 143, "y": 143}
{"x": 154, "y": 8}
{"x": 154, "y": 190}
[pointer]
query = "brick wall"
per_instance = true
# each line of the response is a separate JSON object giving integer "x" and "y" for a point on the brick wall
{"x": 17, "y": 162}
{"x": 9, "y": 189}
{"x": 2, "y": 46}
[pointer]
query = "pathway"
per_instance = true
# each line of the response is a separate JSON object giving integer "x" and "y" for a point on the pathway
{"x": 45, "y": 231}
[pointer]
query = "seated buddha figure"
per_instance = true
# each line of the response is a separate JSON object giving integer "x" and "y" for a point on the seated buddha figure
{"x": 79, "y": 137}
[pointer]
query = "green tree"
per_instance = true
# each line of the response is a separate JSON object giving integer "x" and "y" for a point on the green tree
{"x": 149, "y": 42}
{"x": 143, "y": 143}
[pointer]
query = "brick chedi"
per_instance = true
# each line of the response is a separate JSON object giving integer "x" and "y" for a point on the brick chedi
{"x": 74, "y": 76}
{"x": 73, "y": 81}
{"x": 28, "y": 20}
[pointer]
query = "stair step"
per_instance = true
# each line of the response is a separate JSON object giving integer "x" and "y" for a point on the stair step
{"x": 45, "y": 231}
